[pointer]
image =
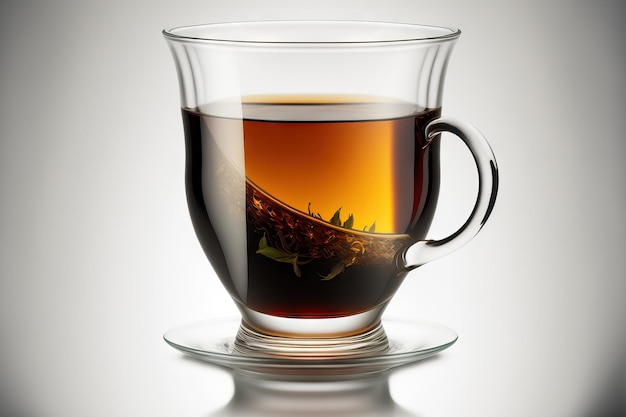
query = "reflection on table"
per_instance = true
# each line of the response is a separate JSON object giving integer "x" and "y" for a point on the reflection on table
{"x": 261, "y": 395}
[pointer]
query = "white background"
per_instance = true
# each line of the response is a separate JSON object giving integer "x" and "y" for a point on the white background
{"x": 98, "y": 257}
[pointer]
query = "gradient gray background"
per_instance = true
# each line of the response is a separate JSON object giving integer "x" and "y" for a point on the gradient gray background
{"x": 98, "y": 257}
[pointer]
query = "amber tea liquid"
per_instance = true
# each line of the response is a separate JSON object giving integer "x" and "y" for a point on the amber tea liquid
{"x": 334, "y": 188}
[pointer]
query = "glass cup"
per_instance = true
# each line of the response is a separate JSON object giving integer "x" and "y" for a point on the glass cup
{"x": 312, "y": 171}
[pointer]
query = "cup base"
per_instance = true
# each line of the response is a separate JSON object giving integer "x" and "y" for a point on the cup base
{"x": 312, "y": 328}
{"x": 250, "y": 341}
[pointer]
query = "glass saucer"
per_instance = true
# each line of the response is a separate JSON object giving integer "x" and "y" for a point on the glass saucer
{"x": 213, "y": 341}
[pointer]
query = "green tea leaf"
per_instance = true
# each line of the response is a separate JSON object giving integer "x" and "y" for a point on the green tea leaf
{"x": 296, "y": 268}
{"x": 336, "y": 219}
{"x": 372, "y": 228}
{"x": 336, "y": 270}
{"x": 278, "y": 255}
{"x": 263, "y": 243}
{"x": 348, "y": 224}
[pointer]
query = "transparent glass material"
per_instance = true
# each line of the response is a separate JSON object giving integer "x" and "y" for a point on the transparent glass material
{"x": 312, "y": 171}
{"x": 213, "y": 341}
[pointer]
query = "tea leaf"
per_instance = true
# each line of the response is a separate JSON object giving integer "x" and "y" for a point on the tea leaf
{"x": 372, "y": 227}
{"x": 296, "y": 268}
{"x": 263, "y": 243}
{"x": 336, "y": 220}
{"x": 350, "y": 222}
{"x": 336, "y": 270}
{"x": 278, "y": 255}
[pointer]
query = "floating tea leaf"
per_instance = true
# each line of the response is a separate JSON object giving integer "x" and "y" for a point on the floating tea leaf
{"x": 337, "y": 269}
{"x": 278, "y": 255}
{"x": 348, "y": 224}
{"x": 336, "y": 219}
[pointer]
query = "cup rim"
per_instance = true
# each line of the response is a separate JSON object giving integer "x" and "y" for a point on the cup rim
{"x": 293, "y": 33}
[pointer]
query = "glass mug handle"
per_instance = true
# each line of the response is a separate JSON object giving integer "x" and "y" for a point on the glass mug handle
{"x": 428, "y": 250}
